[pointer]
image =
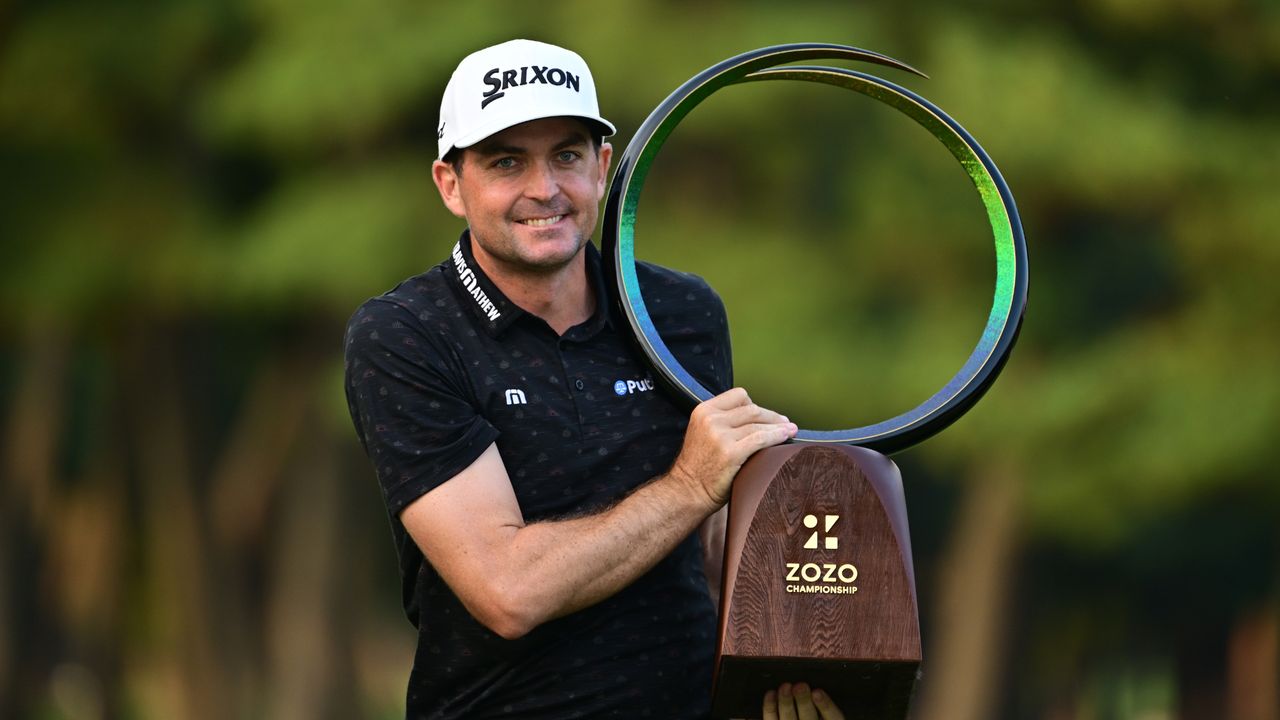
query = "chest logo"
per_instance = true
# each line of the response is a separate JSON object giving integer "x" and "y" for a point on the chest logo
{"x": 516, "y": 397}
{"x": 627, "y": 387}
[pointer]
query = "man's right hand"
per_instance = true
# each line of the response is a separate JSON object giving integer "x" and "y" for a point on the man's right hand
{"x": 723, "y": 433}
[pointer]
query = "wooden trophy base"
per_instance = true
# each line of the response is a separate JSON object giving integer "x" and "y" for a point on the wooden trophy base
{"x": 818, "y": 583}
{"x": 863, "y": 690}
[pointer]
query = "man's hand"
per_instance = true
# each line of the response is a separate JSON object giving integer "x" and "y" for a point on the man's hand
{"x": 796, "y": 702}
{"x": 723, "y": 432}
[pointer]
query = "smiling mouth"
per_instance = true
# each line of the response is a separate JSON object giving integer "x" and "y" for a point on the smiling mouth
{"x": 542, "y": 222}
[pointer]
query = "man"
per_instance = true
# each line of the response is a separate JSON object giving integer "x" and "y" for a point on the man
{"x": 544, "y": 495}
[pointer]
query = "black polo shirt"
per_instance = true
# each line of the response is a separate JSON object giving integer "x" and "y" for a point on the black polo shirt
{"x": 442, "y": 366}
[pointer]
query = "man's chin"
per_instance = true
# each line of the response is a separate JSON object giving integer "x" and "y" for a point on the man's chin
{"x": 547, "y": 257}
{"x": 551, "y": 248}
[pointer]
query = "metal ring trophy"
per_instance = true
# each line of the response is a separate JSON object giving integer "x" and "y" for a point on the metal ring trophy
{"x": 818, "y": 581}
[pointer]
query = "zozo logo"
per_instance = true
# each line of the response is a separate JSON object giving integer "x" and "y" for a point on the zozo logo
{"x": 828, "y": 572}
{"x": 823, "y": 578}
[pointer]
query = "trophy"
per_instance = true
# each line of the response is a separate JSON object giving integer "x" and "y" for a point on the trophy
{"x": 818, "y": 581}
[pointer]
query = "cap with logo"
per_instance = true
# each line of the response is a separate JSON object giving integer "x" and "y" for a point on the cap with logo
{"x": 511, "y": 83}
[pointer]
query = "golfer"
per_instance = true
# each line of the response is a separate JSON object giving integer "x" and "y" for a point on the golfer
{"x": 544, "y": 496}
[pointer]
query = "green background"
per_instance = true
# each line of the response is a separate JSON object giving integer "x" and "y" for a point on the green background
{"x": 196, "y": 195}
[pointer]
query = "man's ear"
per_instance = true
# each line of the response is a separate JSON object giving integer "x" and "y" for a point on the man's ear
{"x": 448, "y": 183}
{"x": 606, "y": 156}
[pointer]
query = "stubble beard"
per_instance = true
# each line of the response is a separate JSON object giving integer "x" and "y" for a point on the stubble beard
{"x": 517, "y": 263}
{"x": 508, "y": 253}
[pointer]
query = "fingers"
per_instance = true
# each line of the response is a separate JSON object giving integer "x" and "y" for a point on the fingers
{"x": 741, "y": 422}
{"x": 798, "y": 702}
{"x": 761, "y": 435}
{"x": 826, "y": 708}
{"x": 751, "y": 413}
{"x": 723, "y": 432}
{"x": 729, "y": 399}
{"x": 786, "y": 703}
{"x": 734, "y": 409}
{"x": 770, "y": 709}
{"x": 804, "y": 702}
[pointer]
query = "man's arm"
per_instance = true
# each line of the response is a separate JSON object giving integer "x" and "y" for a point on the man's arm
{"x": 514, "y": 576}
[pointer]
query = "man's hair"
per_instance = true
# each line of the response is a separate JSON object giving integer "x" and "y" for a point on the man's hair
{"x": 454, "y": 156}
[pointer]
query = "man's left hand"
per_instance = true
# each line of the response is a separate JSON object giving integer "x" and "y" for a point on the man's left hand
{"x": 797, "y": 702}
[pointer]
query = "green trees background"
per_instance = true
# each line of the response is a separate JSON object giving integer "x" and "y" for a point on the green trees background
{"x": 197, "y": 194}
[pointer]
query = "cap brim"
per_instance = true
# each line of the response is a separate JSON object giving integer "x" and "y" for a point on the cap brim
{"x": 605, "y": 127}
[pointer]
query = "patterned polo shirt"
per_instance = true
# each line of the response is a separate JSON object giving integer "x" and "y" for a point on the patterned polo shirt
{"x": 442, "y": 366}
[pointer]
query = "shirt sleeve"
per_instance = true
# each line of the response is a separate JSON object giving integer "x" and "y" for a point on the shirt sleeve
{"x": 410, "y": 402}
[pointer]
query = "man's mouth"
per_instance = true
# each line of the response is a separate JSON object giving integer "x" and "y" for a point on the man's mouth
{"x": 542, "y": 222}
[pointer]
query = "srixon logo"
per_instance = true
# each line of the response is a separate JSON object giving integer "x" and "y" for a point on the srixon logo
{"x": 499, "y": 80}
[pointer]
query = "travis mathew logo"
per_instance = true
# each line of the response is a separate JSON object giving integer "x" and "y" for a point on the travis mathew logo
{"x": 499, "y": 80}
{"x": 821, "y": 578}
{"x": 472, "y": 285}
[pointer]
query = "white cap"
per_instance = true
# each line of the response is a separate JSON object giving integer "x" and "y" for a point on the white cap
{"x": 517, "y": 81}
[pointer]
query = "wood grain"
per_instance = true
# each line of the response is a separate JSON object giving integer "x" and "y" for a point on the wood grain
{"x": 863, "y": 645}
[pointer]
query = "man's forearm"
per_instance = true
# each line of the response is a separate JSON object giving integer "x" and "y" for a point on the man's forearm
{"x": 513, "y": 576}
{"x": 554, "y": 568}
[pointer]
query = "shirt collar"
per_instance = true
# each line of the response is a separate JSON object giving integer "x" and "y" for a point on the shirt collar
{"x": 495, "y": 312}
{"x": 492, "y": 310}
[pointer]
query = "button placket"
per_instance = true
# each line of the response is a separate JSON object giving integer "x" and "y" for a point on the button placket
{"x": 574, "y": 382}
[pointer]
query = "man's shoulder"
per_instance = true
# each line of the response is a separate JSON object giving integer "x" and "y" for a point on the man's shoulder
{"x": 424, "y": 290}
{"x": 418, "y": 302}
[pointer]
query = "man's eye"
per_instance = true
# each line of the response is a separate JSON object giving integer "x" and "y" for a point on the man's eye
{"x": 567, "y": 156}
{"x": 505, "y": 163}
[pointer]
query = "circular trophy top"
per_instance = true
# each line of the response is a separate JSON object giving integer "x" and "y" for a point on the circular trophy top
{"x": 1008, "y": 303}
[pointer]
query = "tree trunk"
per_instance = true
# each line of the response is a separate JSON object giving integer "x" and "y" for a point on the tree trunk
{"x": 962, "y": 663}
{"x": 28, "y": 479}
{"x": 1253, "y": 673}
{"x": 244, "y": 489}
{"x": 310, "y": 659}
{"x": 1201, "y": 672}
{"x": 183, "y": 663}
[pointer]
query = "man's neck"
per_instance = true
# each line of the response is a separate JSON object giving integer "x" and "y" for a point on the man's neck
{"x": 563, "y": 297}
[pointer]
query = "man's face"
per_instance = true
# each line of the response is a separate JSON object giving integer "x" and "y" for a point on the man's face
{"x": 530, "y": 193}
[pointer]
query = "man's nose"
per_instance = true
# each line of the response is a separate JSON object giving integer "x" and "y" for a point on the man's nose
{"x": 543, "y": 183}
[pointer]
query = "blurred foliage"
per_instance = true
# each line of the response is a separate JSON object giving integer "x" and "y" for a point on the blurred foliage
{"x": 196, "y": 193}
